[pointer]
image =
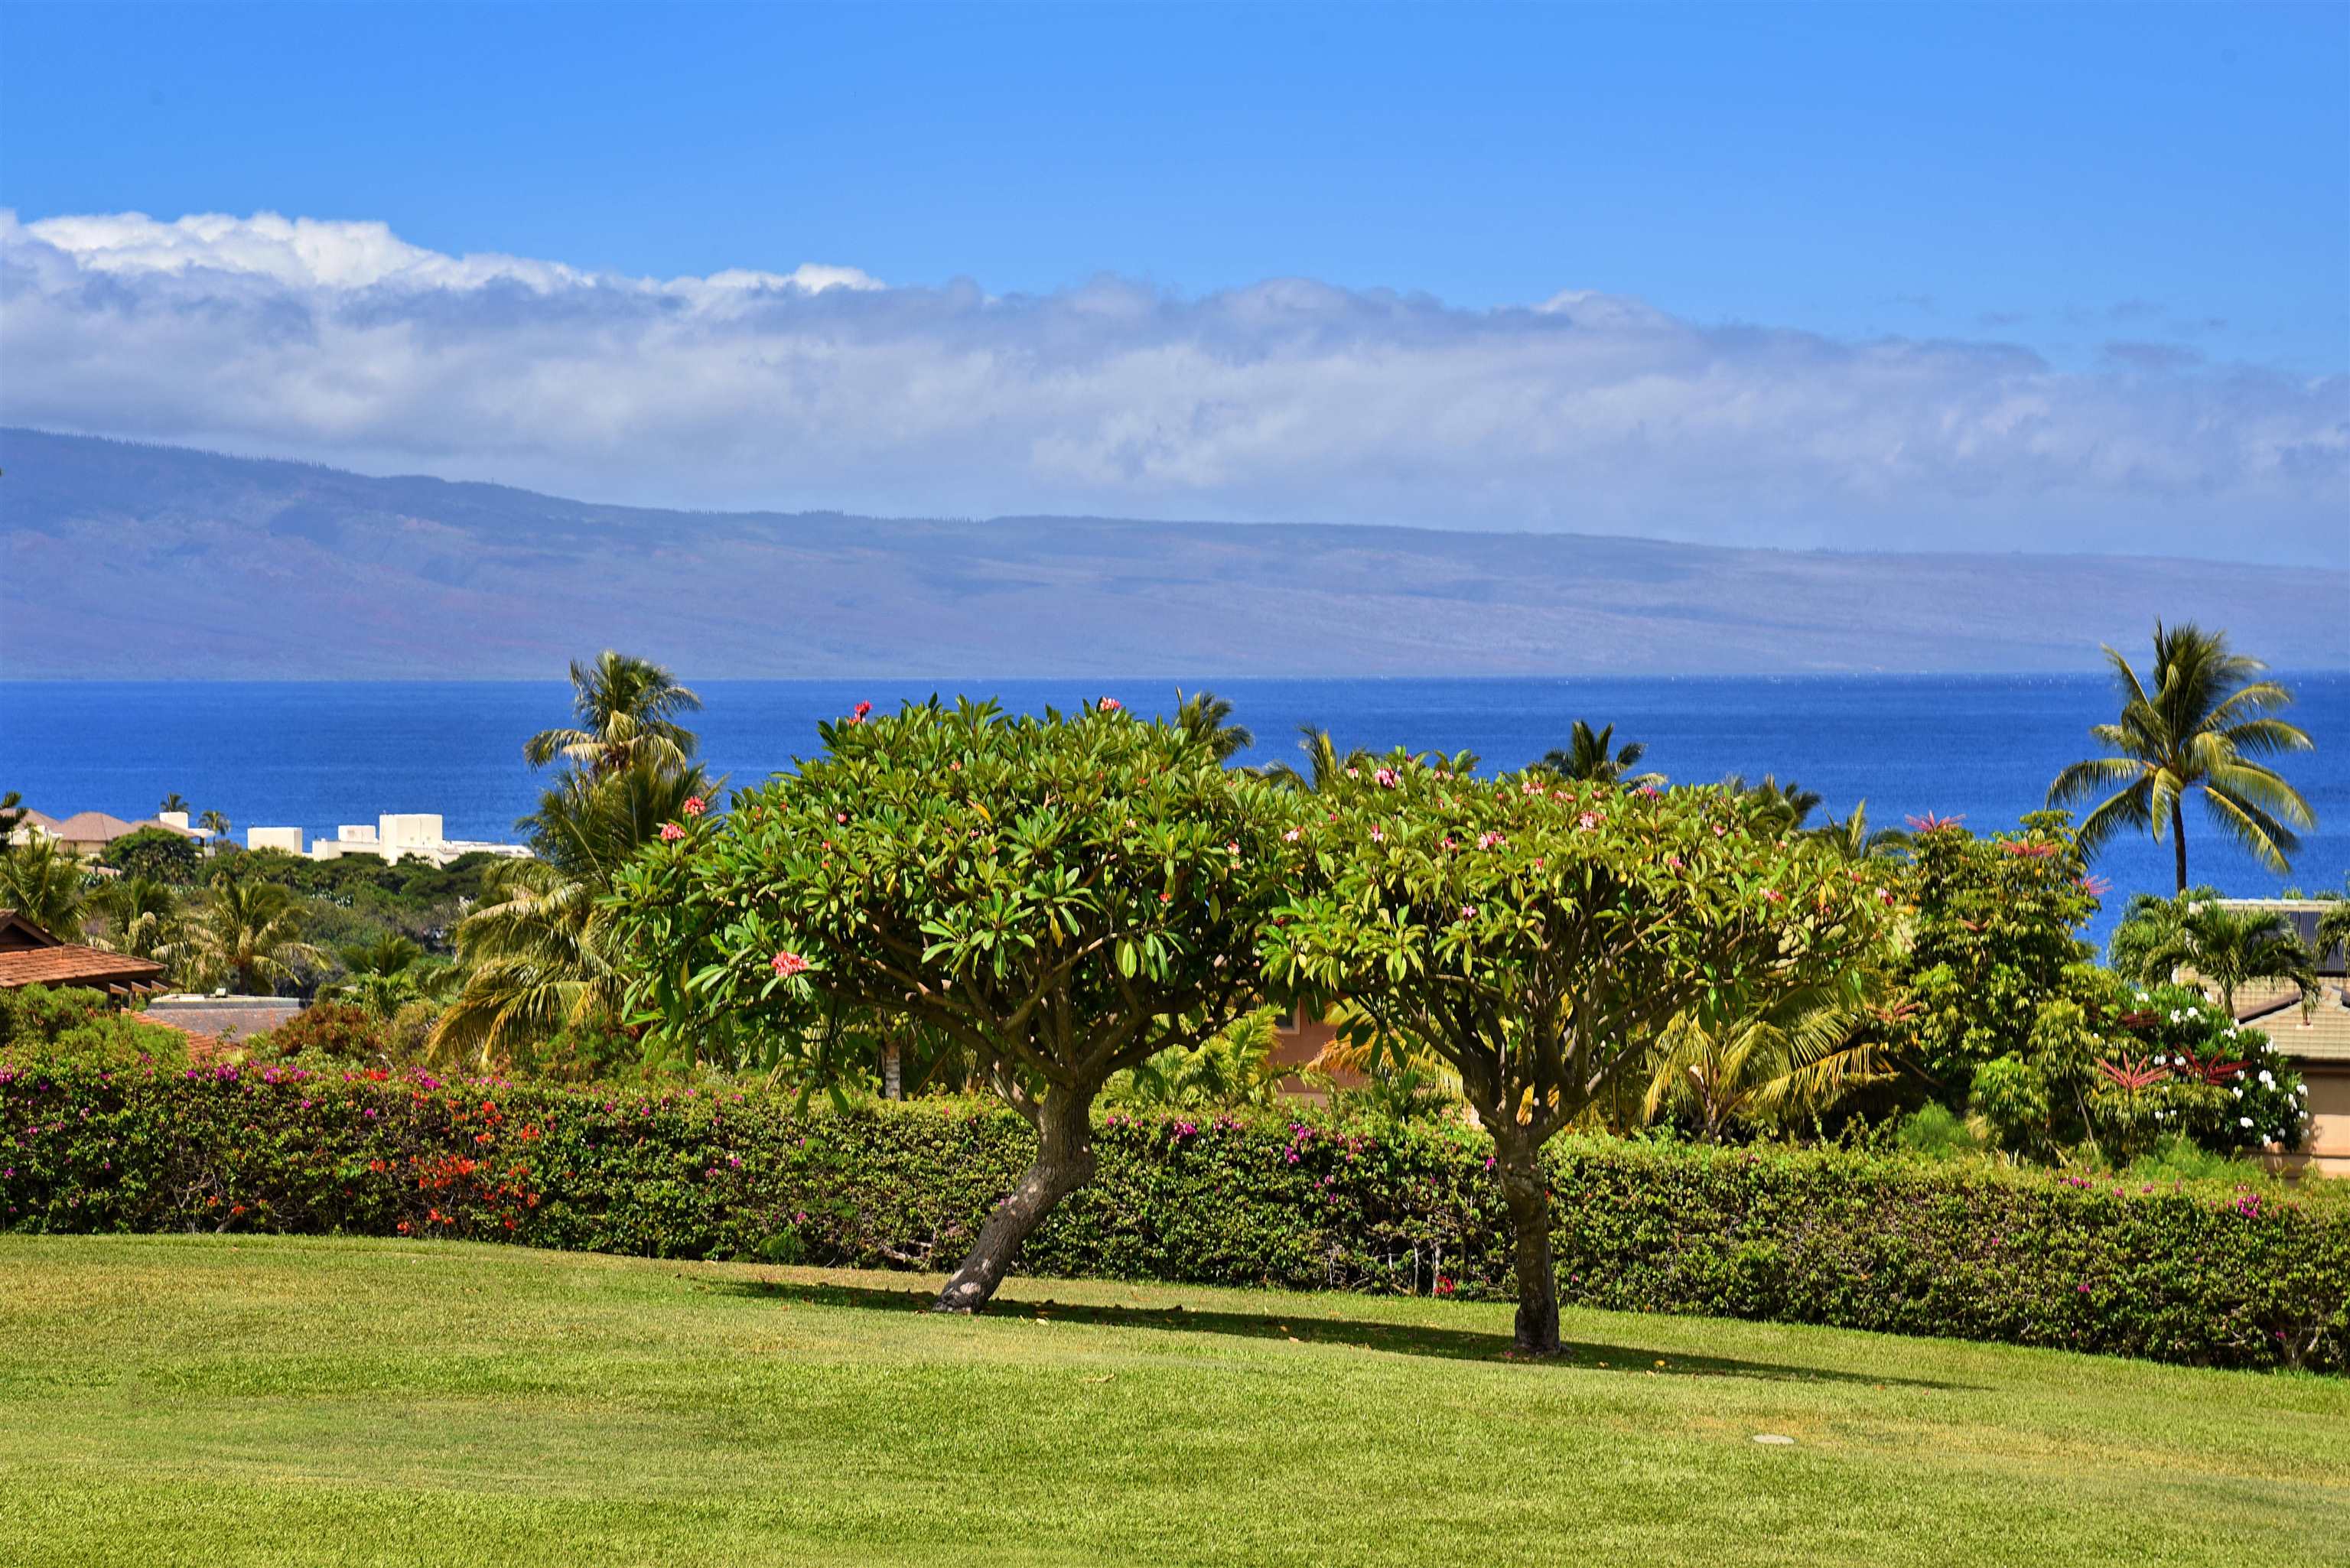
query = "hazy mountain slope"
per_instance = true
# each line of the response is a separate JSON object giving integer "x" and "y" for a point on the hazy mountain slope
{"x": 139, "y": 562}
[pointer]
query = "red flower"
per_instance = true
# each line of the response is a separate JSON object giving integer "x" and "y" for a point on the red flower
{"x": 1109, "y": 704}
{"x": 787, "y": 964}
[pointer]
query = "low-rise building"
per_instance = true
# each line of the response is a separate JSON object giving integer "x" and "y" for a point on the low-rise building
{"x": 2314, "y": 1036}
{"x": 392, "y": 837}
{"x": 29, "y": 955}
{"x": 88, "y": 834}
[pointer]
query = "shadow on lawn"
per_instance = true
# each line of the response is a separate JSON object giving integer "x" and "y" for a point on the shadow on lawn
{"x": 1407, "y": 1339}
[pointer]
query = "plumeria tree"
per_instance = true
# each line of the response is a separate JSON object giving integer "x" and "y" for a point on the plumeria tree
{"x": 1539, "y": 936}
{"x": 1064, "y": 898}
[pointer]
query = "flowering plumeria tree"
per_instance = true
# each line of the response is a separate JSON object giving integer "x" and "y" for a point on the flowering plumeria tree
{"x": 2183, "y": 1066}
{"x": 1538, "y": 935}
{"x": 1062, "y": 897}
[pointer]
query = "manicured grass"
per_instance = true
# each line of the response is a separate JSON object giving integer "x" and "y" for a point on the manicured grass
{"x": 183, "y": 1400}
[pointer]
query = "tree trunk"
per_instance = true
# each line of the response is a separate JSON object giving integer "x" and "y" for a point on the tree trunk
{"x": 1064, "y": 1162}
{"x": 1529, "y": 1202}
{"x": 2178, "y": 841}
{"x": 893, "y": 1082}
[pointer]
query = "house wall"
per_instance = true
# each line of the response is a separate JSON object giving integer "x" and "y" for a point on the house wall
{"x": 2329, "y": 1116}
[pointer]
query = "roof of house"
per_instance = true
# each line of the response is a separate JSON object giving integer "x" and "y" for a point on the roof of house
{"x": 41, "y": 819}
{"x": 70, "y": 964}
{"x": 2321, "y": 1034}
{"x": 227, "y": 1017}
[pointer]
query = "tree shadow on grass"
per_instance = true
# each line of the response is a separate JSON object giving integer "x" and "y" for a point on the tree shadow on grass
{"x": 1403, "y": 1338}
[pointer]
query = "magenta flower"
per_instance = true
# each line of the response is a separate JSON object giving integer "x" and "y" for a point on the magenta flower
{"x": 1468, "y": 911}
{"x": 671, "y": 833}
{"x": 1930, "y": 822}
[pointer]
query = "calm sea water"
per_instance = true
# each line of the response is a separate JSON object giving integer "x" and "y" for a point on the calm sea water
{"x": 314, "y": 755}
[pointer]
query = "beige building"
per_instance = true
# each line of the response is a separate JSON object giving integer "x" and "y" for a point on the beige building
{"x": 88, "y": 834}
{"x": 392, "y": 837}
{"x": 2314, "y": 1039}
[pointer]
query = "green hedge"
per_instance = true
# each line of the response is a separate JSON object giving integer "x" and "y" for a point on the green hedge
{"x": 2202, "y": 1274}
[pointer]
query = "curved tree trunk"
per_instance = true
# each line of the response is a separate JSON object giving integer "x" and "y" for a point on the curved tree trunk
{"x": 1529, "y": 1202}
{"x": 1064, "y": 1162}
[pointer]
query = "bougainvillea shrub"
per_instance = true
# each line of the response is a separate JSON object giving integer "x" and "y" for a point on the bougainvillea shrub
{"x": 2197, "y": 1273}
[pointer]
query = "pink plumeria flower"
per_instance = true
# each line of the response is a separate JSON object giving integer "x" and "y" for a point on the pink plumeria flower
{"x": 1468, "y": 911}
{"x": 1674, "y": 861}
{"x": 695, "y": 805}
{"x": 671, "y": 833}
{"x": 1775, "y": 896}
{"x": 1488, "y": 840}
{"x": 787, "y": 964}
{"x": 1648, "y": 792}
{"x": 1290, "y": 836}
{"x": 1587, "y": 819}
{"x": 1109, "y": 704}
{"x": 1385, "y": 778}
{"x": 840, "y": 817}
{"x": 1231, "y": 847}
{"x": 1378, "y": 835}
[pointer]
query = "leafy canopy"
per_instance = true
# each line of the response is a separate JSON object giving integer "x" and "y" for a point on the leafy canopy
{"x": 1539, "y": 935}
{"x": 1062, "y": 897}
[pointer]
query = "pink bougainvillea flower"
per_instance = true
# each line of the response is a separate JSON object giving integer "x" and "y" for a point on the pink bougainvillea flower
{"x": 695, "y": 805}
{"x": 671, "y": 833}
{"x": 788, "y": 964}
{"x": 1109, "y": 704}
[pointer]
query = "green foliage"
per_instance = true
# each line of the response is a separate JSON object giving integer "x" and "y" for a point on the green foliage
{"x": 1062, "y": 898}
{"x": 250, "y": 935}
{"x": 1933, "y": 1131}
{"x": 1992, "y": 968}
{"x": 628, "y": 711}
{"x": 39, "y": 1025}
{"x": 1233, "y": 1070}
{"x": 1588, "y": 759}
{"x": 157, "y": 854}
{"x": 2243, "y": 1275}
{"x": 324, "y": 1030}
{"x": 46, "y": 885}
{"x": 2185, "y": 1067}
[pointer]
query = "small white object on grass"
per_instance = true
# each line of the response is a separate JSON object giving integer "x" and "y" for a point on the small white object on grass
{"x": 1772, "y": 1437}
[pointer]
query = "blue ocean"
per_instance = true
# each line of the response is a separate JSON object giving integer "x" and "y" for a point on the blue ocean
{"x": 312, "y": 756}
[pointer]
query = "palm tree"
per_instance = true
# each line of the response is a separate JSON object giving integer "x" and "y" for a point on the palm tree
{"x": 627, "y": 709}
{"x": 1853, "y": 839}
{"x": 43, "y": 883}
{"x": 1204, "y": 717}
{"x": 2222, "y": 947}
{"x": 142, "y": 917}
{"x": 387, "y": 974}
{"x": 214, "y": 823}
{"x": 1789, "y": 804}
{"x": 1732, "y": 1062}
{"x": 2334, "y": 933}
{"x": 2205, "y": 722}
{"x": 1588, "y": 759}
{"x": 536, "y": 954}
{"x": 249, "y": 934}
{"x": 171, "y": 802}
{"x": 1323, "y": 762}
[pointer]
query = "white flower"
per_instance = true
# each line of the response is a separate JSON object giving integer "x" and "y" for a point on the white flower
{"x": 2162, "y": 1061}
{"x": 2238, "y": 1092}
{"x": 2243, "y": 1121}
{"x": 2301, "y": 1089}
{"x": 2265, "y": 1078}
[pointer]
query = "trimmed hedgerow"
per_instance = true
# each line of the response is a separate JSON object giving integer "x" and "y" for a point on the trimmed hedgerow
{"x": 2186, "y": 1272}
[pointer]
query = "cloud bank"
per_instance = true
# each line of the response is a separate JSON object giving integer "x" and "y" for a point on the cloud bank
{"x": 1286, "y": 400}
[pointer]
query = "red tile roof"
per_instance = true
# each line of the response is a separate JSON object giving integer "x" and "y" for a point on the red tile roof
{"x": 69, "y": 964}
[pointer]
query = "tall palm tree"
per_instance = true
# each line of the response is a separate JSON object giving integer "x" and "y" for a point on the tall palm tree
{"x": 249, "y": 934}
{"x": 2334, "y": 934}
{"x": 142, "y": 917}
{"x": 1204, "y": 719}
{"x": 43, "y": 883}
{"x": 214, "y": 823}
{"x": 626, "y": 708}
{"x": 535, "y": 950}
{"x": 1730, "y": 1061}
{"x": 1790, "y": 804}
{"x": 1587, "y": 758}
{"x": 171, "y": 802}
{"x": 2223, "y": 948}
{"x": 2205, "y": 722}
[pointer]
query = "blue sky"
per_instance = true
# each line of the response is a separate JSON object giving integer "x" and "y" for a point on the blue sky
{"x": 2125, "y": 192}
{"x": 2063, "y": 175}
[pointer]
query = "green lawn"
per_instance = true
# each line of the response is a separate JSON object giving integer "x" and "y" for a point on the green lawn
{"x": 180, "y": 1400}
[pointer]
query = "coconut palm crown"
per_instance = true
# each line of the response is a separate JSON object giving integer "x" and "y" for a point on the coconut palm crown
{"x": 627, "y": 710}
{"x": 2204, "y": 724}
{"x": 1587, "y": 757}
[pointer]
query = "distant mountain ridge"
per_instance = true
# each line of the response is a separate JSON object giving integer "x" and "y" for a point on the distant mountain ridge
{"x": 134, "y": 562}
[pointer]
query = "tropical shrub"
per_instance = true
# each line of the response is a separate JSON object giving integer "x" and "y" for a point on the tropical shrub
{"x": 77, "y": 1025}
{"x": 2233, "y": 1275}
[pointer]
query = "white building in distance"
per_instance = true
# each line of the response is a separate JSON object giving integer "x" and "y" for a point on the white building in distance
{"x": 394, "y": 838}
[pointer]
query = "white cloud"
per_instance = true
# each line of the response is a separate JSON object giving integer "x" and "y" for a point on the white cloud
{"x": 1289, "y": 399}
